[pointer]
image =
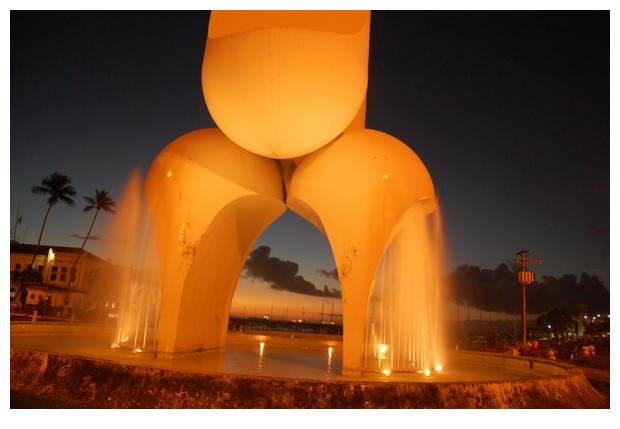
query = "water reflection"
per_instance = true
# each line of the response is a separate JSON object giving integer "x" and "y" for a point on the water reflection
{"x": 330, "y": 351}
{"x": 261, "y": 352}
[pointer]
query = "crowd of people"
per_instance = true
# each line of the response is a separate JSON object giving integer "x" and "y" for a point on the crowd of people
{"x": 534, "y": 348}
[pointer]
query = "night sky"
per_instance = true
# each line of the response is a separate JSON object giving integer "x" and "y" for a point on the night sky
{"x": 509, "y": 111}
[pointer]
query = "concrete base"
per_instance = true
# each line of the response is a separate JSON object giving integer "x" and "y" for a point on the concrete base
{"x": 92, "y": 383}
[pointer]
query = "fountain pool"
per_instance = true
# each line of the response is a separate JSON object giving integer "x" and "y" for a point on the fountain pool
{"x": 270, "y": 370}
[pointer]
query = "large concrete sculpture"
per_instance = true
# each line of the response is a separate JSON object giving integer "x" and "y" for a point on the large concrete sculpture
{"x": 287, "y": 90}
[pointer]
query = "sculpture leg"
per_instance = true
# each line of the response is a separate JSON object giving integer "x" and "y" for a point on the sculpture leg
{"x": 209, "y": 200}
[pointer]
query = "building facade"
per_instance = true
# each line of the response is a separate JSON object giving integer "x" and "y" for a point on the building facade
{"x": 63, "y": 288}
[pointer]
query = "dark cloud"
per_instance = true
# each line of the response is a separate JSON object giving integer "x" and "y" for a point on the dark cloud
{"x": 82, "y": 237}
{"x": 282, "y": 275}
{"x": 333, "y": 274}
{"x": 499, "y": 290}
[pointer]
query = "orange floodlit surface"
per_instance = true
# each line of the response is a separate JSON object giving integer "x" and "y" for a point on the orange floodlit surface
{"x": 287, "y": 90}
{"x": 355, "y": 190}
{"x": 209, "y": 200}
{"x": 227, "y": 22}
{"x": 284, "y": 84}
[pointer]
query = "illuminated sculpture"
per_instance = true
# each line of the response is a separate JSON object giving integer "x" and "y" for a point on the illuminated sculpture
{"x": 287, "y": 89}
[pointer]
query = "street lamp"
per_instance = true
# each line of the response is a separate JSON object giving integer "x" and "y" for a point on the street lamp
{"x": 50, "y": 260}
{"x": 525, "y": 278}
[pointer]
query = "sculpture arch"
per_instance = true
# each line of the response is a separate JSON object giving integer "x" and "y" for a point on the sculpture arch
{"x": 209, "y": 200}
{"x": 355, "y": 190}
{"x": 299, "y": 142}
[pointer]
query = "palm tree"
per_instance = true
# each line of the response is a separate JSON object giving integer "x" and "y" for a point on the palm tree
{"x": 58, "y": 187}
{"x": 102, "y": 201}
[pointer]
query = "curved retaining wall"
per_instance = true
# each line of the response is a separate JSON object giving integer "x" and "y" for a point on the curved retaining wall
{"x": 92, "y": 383}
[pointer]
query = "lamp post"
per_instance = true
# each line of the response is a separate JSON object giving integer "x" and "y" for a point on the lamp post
{"x": 525, "y": 278}
{"x": 50, "y": 260}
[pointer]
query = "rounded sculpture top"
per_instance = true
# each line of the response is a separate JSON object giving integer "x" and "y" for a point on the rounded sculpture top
{"x": 229, "y": 22}
{"x": 362, "y": 183}
{"x": 283, "y": 84}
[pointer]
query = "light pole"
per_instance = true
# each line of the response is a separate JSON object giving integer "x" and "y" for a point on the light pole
{"x": 50, "y": 261}
{"x": 525, "y": 278}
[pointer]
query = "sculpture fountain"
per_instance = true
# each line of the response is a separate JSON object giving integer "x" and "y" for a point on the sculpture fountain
{"x": 287, "y": 90}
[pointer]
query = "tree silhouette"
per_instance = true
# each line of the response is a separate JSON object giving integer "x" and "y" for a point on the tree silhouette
{"x": 58, "y": 187}
{"x": 101, "y": 201}
{"x": 556, "y": 320}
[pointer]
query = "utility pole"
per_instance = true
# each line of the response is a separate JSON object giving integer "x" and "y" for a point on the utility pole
{"x": 525, "y": 278}
{"x": 14, "y": 229}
